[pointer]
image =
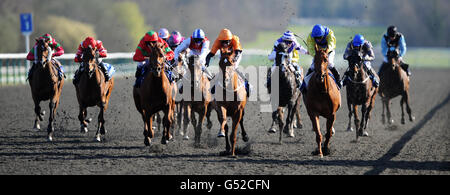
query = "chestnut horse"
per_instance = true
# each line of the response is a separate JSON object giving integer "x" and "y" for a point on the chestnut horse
{"x": 360, "y": 91}
{"x": 322, "y": 99}
{"x": 230, "y": 99}
{"x": 92, "y": 90}
{"x": 156, "y": 93}
{"x": 45, "y": 85}
{"x": 199, "y": 98}
{"x": 288, "y": 96}
{"x": 394, "y": 82}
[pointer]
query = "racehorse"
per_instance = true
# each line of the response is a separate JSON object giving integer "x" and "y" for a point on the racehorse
{"x": 155, "y": 93}
{"x": 394, "y": 82}
{"x": 288, "y": 95}
{"x": 197, "y": 87}
{"x": 322, "y": 99}
{"x": 360, "y": 91}
{"x": 45, "y": 85}
{"x": 93, "y": 90}
{"x": 230, "y": 99}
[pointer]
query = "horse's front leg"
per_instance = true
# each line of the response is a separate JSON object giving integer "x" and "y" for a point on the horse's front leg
{"x": 167, "y": 123}
{"x": 245, "y": 137}
{"x": 408, "y": 108}
{"x": 236, "y": 120}
{"x": 316, "y": 128}
{"x": 50, "y": 129}
{"x": 359, "y": 131}
{"x": 289, "y": 128}
{"x": 222, "y": 116}
{"x": 198, "y": 127}
{"x": 280, "y": 123}
{"x": 148, "y": 131}
{"x": 186, "y": 121}
{"x": 330, "y": 123}
{"x": 273, "y": 128}
{"x": 349, "y": 106}
{"x": 39, "y": 115}
{"x": 101, "y": 123}
{"x": 388, "y": 112}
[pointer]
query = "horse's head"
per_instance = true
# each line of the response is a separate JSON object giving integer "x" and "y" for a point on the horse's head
{"x": 282, "y": 57}
{"x": 43, "y": 51}
{"x": 157, "y": 58}
{"x": 195, "y": 67}
{"x": 226, "y": 58}
{"x": 89, "y": 57}
{"x": 354, "y": 63}
{"x": 321, "y": 64}
{"x": 393, "y": 56}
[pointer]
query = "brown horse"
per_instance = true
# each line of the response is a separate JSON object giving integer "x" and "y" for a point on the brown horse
{"x": 199, "y": 98}
{"x": 288, "y": 95}
{"x": 92, "y": 90}
{"x": 230, "y": 99}
{"x": 360, "y": 91}
{"x": 322, "y": 99}
{"x": 155, "y": 93}
{"x": 45, "y": 85}
{"x": 394, "y": 82}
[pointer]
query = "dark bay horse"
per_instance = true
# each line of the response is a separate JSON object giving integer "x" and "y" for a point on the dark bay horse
{"x": 93, "y": 90}
{"x": 360, "y": 91}
{"x": 230, "y": 99}
{"x": 199, "y": 98}
{"x": 156, "y": 93}
{"x": 45, "y": 85}
{"x": 322, "y": 99}
{"x": 288, "y": 95}
{"x": 394, "y": 81}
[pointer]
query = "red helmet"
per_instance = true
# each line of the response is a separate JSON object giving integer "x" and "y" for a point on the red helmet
{"x": 46, "y": 37}
{"x": 89, "y": 41}
{"x": 151, "y": 36}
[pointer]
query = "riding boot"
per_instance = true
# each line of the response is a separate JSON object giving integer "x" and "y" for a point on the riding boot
{"x": 269, "y": 83}
{"x": 405, "y": 67}
{"x": 375, "y": 80}
{"x": 345, "y": 79}
{"x": 336, "y": 76}
{"x": 104, "y": 70}
{"x": 207, "y": 73}
{"x": 246, "y": 83}
{"x": 138, "y": 76}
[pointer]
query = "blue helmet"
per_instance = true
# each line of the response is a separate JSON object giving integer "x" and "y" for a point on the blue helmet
{"x": 198, "y": 34}
{"x": 318, "y": 31}
{"x": 358, "y": 40}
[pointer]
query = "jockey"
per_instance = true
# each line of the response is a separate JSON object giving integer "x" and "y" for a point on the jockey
{"x": 323, "y": 37}
{"x": 143, "y": 50}
{"x": 227, "y": 40}
{"x": 365, "y": 48}
{"x": 198, "y": 44}
{"x": 163, "y": 33}
{"x": 393, "y": 40}
{"x": 56, "y": 50}
{"x": 102, "y": 53}
{"x": 294, "y": 48}
{"x": 174, "y": 40}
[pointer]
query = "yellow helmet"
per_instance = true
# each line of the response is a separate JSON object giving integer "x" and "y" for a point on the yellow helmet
{"x": 225, "y": 34}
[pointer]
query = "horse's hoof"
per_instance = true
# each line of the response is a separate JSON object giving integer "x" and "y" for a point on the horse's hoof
{"x": 186, "y": 137}
{"x": 272, "y": 130}
{"x": 403, "y": 121}
{"x": 333, "y": 131}
{"x": 37, "y": 127}
{"x": 50, "y": 137}
{"x": 298, "y": 126}
{"x": 326, "y": 151}
{"x": 316, "y": 153}
{"x": 147, "y": 141}
{"x": 181, "y": 133}
{"x": 412, "y": 118}
{"x": 164, "y": 141}
{"x": 83, "y": 129}
{"x": 98, "y": 138}
{"x": 153, "y": 128}
{"x": 89, "y": 120}
{"x": 209, "y": 125}
{"x": 291, "y": 134}
{"x": 391, "y": 121}
{"x": 365, "y": 134}
{"x": 221, "y": 134}
{"x": 350, "y": 129}
{"x": 245, "y": 138}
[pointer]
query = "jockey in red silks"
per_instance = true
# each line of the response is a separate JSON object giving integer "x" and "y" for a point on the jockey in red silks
{"x": 102, "y": 53}
{"x": 56, "y": 50}
{"x": 143, "y": 51}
